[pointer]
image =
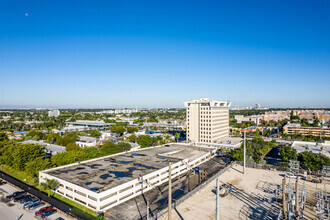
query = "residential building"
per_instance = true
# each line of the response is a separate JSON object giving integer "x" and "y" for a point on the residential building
{"x": 258, "y": 118}
{"x": 53, "y": 113}
{"x": 298, "y": 129}
{"x": 207, "y": 120}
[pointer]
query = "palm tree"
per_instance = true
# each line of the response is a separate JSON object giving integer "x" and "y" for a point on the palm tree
{"x": 177, "y": 136}
{"x": 49, "y": 185}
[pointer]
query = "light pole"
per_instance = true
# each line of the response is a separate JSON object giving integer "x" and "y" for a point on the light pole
{"x": 217, "y": 201}
{"x": 169, "y": 191}
{"x": 244, "y": 151}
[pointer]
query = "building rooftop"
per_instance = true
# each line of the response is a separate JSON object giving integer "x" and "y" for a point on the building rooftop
{"x": 323, "y": 148}
{"x": 50, "y": 148}
{"x": 111, "y": 171}
{"x": 87, "y": 139}
{"x": 89, "y": 123}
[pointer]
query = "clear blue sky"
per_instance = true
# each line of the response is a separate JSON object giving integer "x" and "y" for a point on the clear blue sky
{"x": 161, "y": 53}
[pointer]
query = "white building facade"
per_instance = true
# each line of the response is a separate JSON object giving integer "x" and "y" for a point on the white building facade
{"x": 53, "y": 113}
{"x": 207, "y": 120}
{"x": 86, "y": 141}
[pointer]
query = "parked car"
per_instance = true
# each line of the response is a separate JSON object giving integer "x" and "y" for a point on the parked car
{"x": 290, "y": 175}
{"x": 26, "y": 205}
{"x": 36, "y": 205}
{"x": 26, "y": 199}
{"x": 19, "y": 197}
{"x": 59, "y": 218}
{"x": 44, "y": 209}
{"x": 48, "y": 213}
{"x": 2, "y": 182}
{"x": 15, "y": 194}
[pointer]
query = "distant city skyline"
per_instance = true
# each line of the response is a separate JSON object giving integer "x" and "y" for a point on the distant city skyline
{"x": 115, "y": 54}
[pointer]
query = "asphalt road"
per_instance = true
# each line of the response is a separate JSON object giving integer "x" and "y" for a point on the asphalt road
{"x": 273, "y": 156}
{"x": 12, "y": 210}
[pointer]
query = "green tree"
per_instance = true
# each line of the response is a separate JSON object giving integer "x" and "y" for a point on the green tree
{"x": 69, "y": 157}
{"x": 310, "y": 160}
{"x": 49, "y": 185}
{"x": 266, "y": 133}
{"x": 95, "y": 133}
{"x": 92, "y": 152}
{"x": 144, "y": 141}
{"x": 118, "y": 129}
{"x": 304, "y": 122}
{"x": 3, "y": 137}
{"x": 288, "y": 153}
{"x": 33, "y": 167}
{"x": 36, "y": 135}
{"x": 67, "y": 139}
{"x": 24, "y": 153}
{"x": 177, "y": 136}
{"x": 53, "y": 138}
{"x": 124, "y": 146}
{"x": 72, "y": 147}
{"x": 132, "y": 138}
{"x": 316, "y": 122}
{"x": 132, "y": 129}
{"x": 109, "y": 148}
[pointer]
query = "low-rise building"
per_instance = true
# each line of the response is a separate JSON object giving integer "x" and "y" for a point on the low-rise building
{"x": 301, "y": 146}
{"x": 86, "y": 141}
{"x": 53, "y": 113}
{"x": 258, "y": 118}
{"x": 49, "y": 148}
{"x": 103, "y": 183}
{"x": 314, "y": 131}
{"x": 100, "y": 125}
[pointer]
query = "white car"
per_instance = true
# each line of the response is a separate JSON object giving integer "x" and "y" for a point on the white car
{"x": 290, "y": 175}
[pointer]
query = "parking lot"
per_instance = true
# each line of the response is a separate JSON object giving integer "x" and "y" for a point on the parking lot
{"x": 14, "y": 210}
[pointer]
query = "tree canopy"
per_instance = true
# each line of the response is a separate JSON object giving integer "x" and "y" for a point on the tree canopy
{"x": 118, "y": 129}
{"x": 132, "y": 129}
{"x": 288, "y": 153}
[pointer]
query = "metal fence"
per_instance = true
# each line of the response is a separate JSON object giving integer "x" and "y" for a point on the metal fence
{"x": 59, "y": 205}
{"x": 159, "y": 213}
{"x": 317, "y": 173}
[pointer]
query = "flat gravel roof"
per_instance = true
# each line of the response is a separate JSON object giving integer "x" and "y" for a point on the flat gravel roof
{"x": 112, "y": 171}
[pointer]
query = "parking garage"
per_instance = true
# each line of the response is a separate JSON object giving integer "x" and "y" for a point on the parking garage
{"x": 105, "y": 182}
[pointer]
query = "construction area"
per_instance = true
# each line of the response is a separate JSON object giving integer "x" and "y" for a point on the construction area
{"x": 258, "y": 194}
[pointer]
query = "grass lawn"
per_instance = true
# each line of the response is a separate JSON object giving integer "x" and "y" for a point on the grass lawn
{"x": 21, "y": 175}
{"x": 69, "y": 202}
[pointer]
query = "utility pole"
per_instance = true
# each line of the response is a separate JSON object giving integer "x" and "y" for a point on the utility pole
{"x": 169, "y": 192}
{"x": 217, "y": 201}
{"x": 244, "y": 151}
{"x": 147, "y": 210}
{"x": 284, "y": 197}
{"x": 297, "y": 198}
